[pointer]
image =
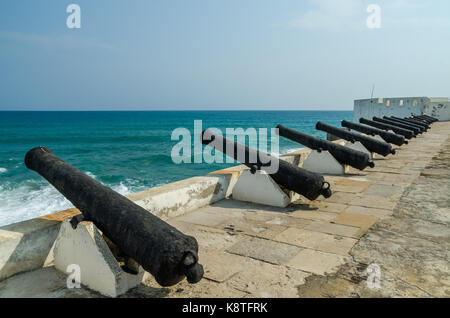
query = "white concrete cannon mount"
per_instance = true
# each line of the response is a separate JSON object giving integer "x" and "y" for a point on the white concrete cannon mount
{"x": 84, "y": 248}
{"x": 262, "y": 189}
{"x": 358, "y": 146}
{"x": 324, "y": 163}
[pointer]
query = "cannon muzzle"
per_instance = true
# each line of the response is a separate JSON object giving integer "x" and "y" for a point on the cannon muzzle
{"x": 159, "y": 248}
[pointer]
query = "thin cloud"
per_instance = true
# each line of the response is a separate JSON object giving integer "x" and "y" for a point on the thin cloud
{"x": 407, "y": 4}
{"x": 412, "y": 14}
{"x": 417, "y": 23}
{"x": 330, "y": 15}
{"x": 69, "y": 42}
{"x": 352, "y": 14}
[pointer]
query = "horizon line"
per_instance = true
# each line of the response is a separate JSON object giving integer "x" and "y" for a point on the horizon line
{"x": 161, "y": 110}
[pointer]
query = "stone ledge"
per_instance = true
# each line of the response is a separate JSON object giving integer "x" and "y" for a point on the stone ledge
{"x": 28, "y": 245}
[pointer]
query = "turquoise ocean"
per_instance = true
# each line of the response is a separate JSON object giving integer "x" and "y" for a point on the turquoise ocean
{"x": 128, "y": 151}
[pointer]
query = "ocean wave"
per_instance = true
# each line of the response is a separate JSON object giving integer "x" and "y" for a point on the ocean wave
{"x": 34, "y": 198}
{"x": 284, "y": 152}
{"x": 28, "y": 200}
{"x": 290, "y": 150}
{"x": 90, "y": 174}
{"x": 3, "y": 170}
{"x": 121, "y": 188}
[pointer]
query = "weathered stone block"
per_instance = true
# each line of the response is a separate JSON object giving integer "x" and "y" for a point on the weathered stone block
{"x": 220, "y": 266}
{"x": 313, "y": 215}
{"x": 331, "y": 228}
{"x": 265, "y": 250}
{"x": 316, "y": 262}
{"x": 364, "y": 222}
{"x": 315, "y": 240}
{"x": 380, "y": 213}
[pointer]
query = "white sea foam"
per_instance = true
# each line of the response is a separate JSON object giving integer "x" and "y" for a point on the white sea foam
{"x": 28, "y": 200}
{"x": 3, "y": 170}
{"x": 34, "y": 198}
{"x": 290, "y": 150}
{"x": 90, "y": 174}
{"x": 285, "y": 151}
{"x": 121, "y": 188}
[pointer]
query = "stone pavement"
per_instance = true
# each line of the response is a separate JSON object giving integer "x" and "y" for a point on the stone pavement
{"x": 392, "y": 220}
{"x": 411, "y": 247}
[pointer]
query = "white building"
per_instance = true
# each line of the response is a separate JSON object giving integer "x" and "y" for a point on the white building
{"x": 402, "y": 107}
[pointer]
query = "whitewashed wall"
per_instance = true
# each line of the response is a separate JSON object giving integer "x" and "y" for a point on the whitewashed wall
{"x": 379, "y": 107}
{"x": 402, "y": 107}
{"x": 439, "y": 110}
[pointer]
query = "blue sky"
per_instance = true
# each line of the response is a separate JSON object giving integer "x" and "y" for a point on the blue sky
{"x": 219, "y": 54}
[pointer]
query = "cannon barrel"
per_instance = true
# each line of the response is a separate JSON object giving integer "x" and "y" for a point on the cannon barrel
{"x": 428, "y": 118}
{"x": 159, "y": 248}
{"x": 413, "y": 121}
{"x": 425, "y": 118}
{"x": 421, "y": 129}
{"x": 434, "y": 119}
{"x": 368, "y": 130}
{"x": 309, "y": 184}
{"x": 422, "y": 119}
{"x": 344, "y": 155}
{"x": 422, "y": 124}
{"x": 373, "y": 145}
{"x": 415, "y": 131}
{"x": 397, "y": 130}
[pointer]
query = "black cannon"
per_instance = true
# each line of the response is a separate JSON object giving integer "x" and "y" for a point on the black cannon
{"x": 159, "y": 248}
{"x": 371, "y": 131}
{"x": 344, "y": 155}
{"x": 397, "y": 130}
{"x": 416, "y": 131}
{"x": 427, "y": 118}
{"x": 434, "y": 119}
{"x": 373, "y": 145}
{"x": 421, "y": 119}
{"x": 413, "y": 121}
{"x": 421, "y": 129}
{"x": 310, "y": 185}
{"x": 422, "y": 124}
